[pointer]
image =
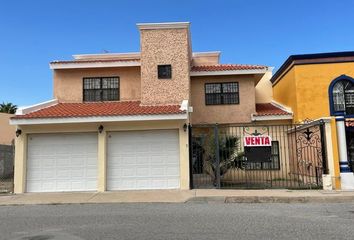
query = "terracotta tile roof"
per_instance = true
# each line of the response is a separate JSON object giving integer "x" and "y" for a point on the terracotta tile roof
{"x": 65, "y": 110}
{"x": 268, "y": 109}
{"x": 95, "y": 60}
{"x": 226, "y": 67}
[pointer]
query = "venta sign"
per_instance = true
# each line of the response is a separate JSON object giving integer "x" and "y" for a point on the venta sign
{"x": 257, "y": 141}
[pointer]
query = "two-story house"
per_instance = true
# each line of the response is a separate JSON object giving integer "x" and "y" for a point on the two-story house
{"x": 120, "y": 121}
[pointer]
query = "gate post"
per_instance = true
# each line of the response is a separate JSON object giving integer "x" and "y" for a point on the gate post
{"x": 217, "y": 155}
{"x": 190, "y": 156}
{"x": 323, "y": 147}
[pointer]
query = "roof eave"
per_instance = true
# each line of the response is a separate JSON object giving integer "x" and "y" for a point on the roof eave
{"x": 231, "y": 72}
{"x": 73, "y": 65}
{"x": 291, "y": 60}
{"x": 271, "y": 117}
{"x": 121, "y": 118}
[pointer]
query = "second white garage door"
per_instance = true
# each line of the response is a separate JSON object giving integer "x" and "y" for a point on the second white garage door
{"x": 143, "y": 160}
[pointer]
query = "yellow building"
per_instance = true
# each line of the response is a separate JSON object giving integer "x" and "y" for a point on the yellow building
{"x": 318, "y": 86}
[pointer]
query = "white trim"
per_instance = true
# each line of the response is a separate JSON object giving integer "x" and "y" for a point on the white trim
{"x": 271, "y": 117}
{"x": 118, "y": 56}
{"x": 282, "y": 107}
{"x": 35, "y": 107}
{"x": 184, "y": 105}
{"x": 165, "y": 25}
{"x": 232, "y": 72}
{"x": 270, "y": 69}
{"x": 78, "y": 64}
{"x": 206, "y": 54}
{"x": 126, "y": 118}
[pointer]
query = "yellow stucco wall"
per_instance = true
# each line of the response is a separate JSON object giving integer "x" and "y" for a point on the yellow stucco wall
{"x": 21, "y": 146}
{"x": 312, "y": 82}
{"x": 284, "y": 91}
{"x": 304, "y": 88}
{"x": 264, "y": 92}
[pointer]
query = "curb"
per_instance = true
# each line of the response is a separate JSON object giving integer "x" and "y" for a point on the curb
{"x": 272, "y": 199}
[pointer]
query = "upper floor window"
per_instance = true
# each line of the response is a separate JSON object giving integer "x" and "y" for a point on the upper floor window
{"x": 98, "y": 89}
{"x": 164, "y": 71}
{"x": 343, "y": 97}
{"x": 221, "y": 93}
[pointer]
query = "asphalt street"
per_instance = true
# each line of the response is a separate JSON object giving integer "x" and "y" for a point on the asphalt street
{"x": 177, "y": 221}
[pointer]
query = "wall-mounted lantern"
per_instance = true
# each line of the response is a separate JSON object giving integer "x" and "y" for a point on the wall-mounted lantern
{"x": 100, "y": 129}
{"x": 18, "y": 132}
{"x": 185, "y": 127}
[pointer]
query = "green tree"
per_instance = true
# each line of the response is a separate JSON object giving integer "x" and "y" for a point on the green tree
{"x": 8, "y": 107}
{"x": 230, "y": 155}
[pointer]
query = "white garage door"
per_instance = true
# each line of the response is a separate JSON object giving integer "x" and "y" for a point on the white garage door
{"x": 62, "y": 162}
{"x": 143, "y": 160}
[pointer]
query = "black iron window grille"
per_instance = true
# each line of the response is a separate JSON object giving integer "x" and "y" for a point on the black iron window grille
{"x": 343, "y": 97}
{"x": 164, "y": 71}
{"x": 274, "y": 164}
{"x": 222, "y": 93}
{"x": 97, "y": 89}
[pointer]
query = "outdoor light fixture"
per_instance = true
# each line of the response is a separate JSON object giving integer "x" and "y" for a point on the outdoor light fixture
{"x": 100, "y": 129}
{"x": 18, "y": 132}
{"x": 185, "y": 127}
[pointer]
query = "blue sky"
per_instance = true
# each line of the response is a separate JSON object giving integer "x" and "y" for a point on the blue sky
{"x": 33, "y": 33}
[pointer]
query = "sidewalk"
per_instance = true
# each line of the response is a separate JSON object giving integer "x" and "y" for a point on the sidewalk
{"x": 177, "y": 196}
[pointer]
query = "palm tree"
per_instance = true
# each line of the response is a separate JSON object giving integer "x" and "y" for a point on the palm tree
{"x": 8, "y": 107}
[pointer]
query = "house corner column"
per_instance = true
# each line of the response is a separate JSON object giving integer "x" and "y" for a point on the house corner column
{"x": 102, "y": 162}
{"x": 20, "y": 163}
{"x": 347, "y": 177}
{"x": 184, "y": 158}
{"x": 330, "y": 159}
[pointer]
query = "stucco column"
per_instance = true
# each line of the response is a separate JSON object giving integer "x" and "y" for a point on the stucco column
{"x": 184, "y": 158}
{"x": 20, "y": 163}
{"x": 347, "y": 177}
{"x": 102, "y": 161}
{"x": 330, "y": 159}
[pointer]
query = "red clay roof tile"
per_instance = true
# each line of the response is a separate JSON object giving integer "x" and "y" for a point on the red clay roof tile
{"x": 268, "y": 109}
{"x": 65, "y": 110}
{"x": 226, "y": 67}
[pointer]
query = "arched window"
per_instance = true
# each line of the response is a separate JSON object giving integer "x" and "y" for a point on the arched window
{"x": 342, "y": 96}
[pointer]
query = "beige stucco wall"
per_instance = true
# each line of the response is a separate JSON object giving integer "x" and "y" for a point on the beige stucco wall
{"x": 7, "y": 131}
{"x": 68, "y": 83}
{"x": 205, "y": 60}
{"x": 164, "y": 46}
{"x": 264, "y": 91}
{"x": 21, "y": 146}
{"x": 233, "y": 113}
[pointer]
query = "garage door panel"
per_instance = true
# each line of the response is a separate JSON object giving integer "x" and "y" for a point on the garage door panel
{"x": 62, "y": 162}
{"x": 77, "y": 173}
{"x": 141, "y": 171}
{"x": 77, "y": 160}
{"x": 143, "y": 160}
{"x": 172, "y": 171}
{"x": 91, "y": 173}
{"x": 172, "y": 182}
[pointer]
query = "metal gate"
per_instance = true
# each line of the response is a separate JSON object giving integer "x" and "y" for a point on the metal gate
{"x": 297, "y": 156}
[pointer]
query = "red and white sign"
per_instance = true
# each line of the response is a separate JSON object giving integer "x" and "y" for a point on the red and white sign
{"x": 257, "y": 141}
